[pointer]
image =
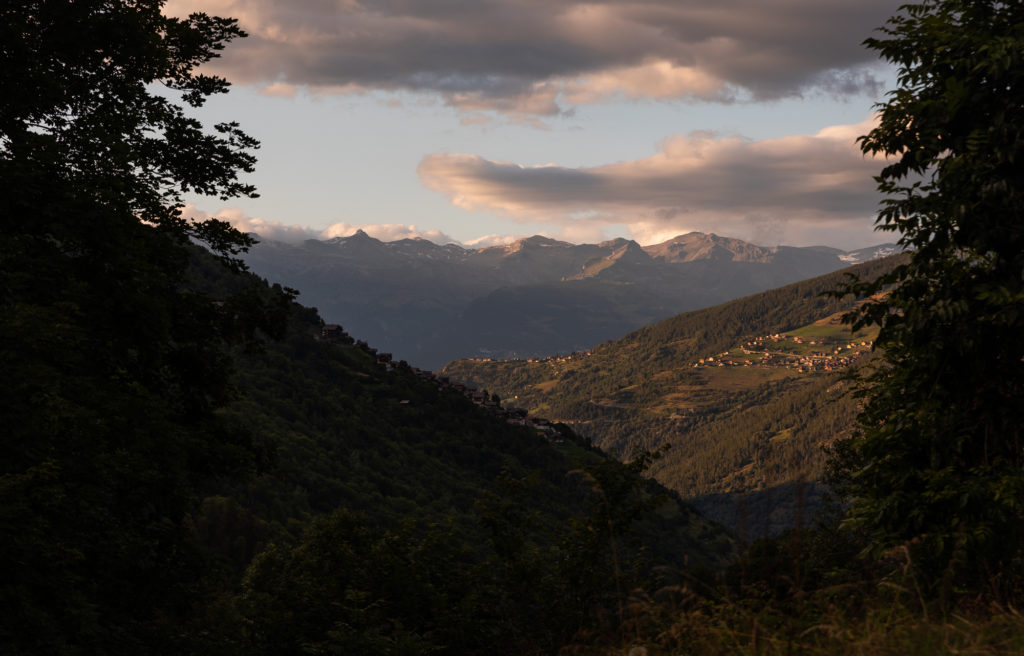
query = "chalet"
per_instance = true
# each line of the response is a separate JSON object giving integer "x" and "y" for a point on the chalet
{"x": 331, "y": 332}
{"x": 540, "y": 424}
{"x": 423, "y": 374}
{"x": 515, "y": 416}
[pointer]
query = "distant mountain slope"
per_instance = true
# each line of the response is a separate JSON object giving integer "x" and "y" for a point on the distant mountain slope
{"x": 537, "y": 296}
{"x": 746, "y": 393}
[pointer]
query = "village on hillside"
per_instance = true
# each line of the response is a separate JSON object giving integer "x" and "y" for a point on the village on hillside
{"x": 489, "y": 403}
{"x": 811, "y": 349}
{"x": 801, "y": 353}
{"x": 825, "y": 346}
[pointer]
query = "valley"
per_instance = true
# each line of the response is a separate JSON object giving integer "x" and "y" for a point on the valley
{"x": 746, "y": 394}
{"x": 698, "y": 447}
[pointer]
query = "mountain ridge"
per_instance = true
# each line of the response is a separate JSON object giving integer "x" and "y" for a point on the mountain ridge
{"x": 542, "y": 296}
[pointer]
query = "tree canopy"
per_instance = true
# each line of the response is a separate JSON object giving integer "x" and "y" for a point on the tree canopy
{"x": 79, "y": 87}
{"x": 937, "y": 466}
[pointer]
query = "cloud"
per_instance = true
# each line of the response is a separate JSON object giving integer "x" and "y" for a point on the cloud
{"x": 800, "y": 188}
{"x": 279, "y": 90}
{"x": 529, "y": 58}
{"x": 575, "y": 234}
{"x": 492, "y": 240}
{"x": 293, "y": 234}
{"x": 386, "y": 232}
{"x": 270, "y": 230}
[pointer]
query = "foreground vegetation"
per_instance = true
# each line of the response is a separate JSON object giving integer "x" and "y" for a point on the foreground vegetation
{"x": 813, "y": 592}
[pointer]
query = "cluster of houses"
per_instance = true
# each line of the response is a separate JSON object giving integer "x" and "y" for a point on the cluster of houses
{"x": 836, "y": 356}
{"x": 488, "y": 403}
{"x": 551, "y": 359}
{"x": 332, "y": 332}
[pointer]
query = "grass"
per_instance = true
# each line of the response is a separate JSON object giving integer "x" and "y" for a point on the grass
{"x": 547, "y": 385}
{"x": 676, "y": 622}
{"x": 733, "y": 379}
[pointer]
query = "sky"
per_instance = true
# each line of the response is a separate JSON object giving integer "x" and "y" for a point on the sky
{"x": 483, "y": 121}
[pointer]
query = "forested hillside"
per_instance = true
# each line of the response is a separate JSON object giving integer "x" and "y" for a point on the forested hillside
{"x": 746, "y": 441}
{"x": 385, "y": 512}
{"x": 501, "y": 521}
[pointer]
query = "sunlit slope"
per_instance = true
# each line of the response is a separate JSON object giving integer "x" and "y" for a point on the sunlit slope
{"x": 746, "y": 393}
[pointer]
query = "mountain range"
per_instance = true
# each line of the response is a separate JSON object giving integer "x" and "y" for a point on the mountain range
{"x": 537, "y": 296}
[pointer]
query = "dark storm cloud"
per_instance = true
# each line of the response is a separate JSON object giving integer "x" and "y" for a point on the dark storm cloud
{"x": 536, "y": 57}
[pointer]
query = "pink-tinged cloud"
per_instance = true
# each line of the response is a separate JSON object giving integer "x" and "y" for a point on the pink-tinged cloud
{"x": 792, "y": 187}
{"x": 492, "y": 240}
{"x": 271, "y": 230}
{"x": 293, "y": 234}
{"x": 385, "y": 232}
{"x": 534, "y": 58}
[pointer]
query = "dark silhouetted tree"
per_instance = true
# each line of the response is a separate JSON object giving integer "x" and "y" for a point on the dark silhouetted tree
{"x": 937, "y": 465}
{"x": 112, "y": 367}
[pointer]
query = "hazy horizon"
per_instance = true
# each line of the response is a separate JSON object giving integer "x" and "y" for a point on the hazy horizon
{"x": 297, "y": 236}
